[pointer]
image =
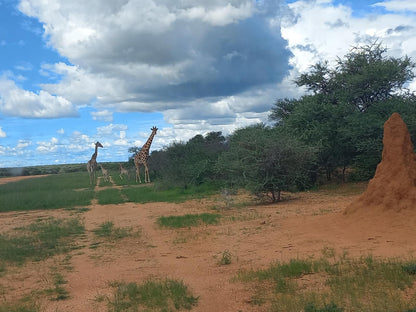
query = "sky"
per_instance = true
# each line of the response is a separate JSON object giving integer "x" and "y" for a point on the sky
{"x": 76, "y": 72}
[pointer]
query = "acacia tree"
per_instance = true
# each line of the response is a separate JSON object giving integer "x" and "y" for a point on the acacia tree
{"x": 344, "y": 113}
{"x": 265, "y": 162}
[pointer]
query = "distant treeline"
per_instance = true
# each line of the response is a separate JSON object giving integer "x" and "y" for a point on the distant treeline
{"x": 39, "y": 170}
{"x": 52, "y": 169}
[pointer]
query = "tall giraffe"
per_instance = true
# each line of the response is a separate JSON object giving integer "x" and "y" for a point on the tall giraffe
{"x": 142, "y": 156}
{"x": 92, "y": 163}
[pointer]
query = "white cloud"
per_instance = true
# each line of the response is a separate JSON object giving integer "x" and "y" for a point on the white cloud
{"x": 48, "y": 146}
{"x": 22, "y": 144}
{"x": 321, "y": 31}
{"x": 104, "y": 115}
{"x": 398, "y": 5}
{"x": 121, "y": 141}
{"x": 147, "y": 55}
{"x": 220, "y": 15}
{"x": 110, "y": 129}
{"x": 15, "y": 101}
{"x": 2, "y": 133}
{"x": 61, "y": 131}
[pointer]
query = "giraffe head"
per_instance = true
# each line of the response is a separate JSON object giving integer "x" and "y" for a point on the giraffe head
{"x": 154, "y": 129}
{"x": 98, "y": 144}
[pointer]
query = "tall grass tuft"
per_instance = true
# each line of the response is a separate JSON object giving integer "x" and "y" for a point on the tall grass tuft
{"x": 152, "y": 295}
{"x": 108, "y": 230}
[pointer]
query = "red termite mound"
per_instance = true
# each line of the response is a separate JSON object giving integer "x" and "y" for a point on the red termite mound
{"x": 393, "y": 187}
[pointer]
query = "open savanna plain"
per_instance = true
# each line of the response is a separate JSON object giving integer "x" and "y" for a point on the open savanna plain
{"x": 118, "y": 246}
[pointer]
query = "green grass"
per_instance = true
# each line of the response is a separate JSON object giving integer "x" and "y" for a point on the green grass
{"x": 108, "y": 230}
{"x": 50, "y": 192}
{"x": 110, "y": 196}
{"x": 152, "y": 295}
{"x": 188, "y": 220}
{"x": 364, "y": 284}
{"x": 58, "y": 292}
{"x": 40, "y": 240}
{"x": 69, "y": 190}
{"x": 147, "y": 194}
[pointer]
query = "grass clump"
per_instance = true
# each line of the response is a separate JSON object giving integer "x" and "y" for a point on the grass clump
{"x": 226, "y": 258}
{"x": 58, "y": 291}
{"x": 152, "y": 295}
{"x": 108, "y": 230}
{"x": 332, "y": 307}
{"x": 188, "y": 220}
{"x": 40, "y": 240}
{"x": 343, "y": 284}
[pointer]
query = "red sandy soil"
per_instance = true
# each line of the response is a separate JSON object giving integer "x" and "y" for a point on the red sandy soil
{"x": 301, "y": 226}
{"x": 13, "y": 179}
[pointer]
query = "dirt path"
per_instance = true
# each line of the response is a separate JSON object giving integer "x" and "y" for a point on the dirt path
{"x": 255, "y": 236}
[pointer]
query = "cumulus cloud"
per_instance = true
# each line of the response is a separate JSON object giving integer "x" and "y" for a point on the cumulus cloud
{"x": 398, "y": 5}
{"x": 48, "y": 146}
{"x": 308, "y": 20}
{"x": 104, "y": 115}
{"x": 2, "y": 133}
{"x": 137, "y": 55}
{"x": 15, "y": 101}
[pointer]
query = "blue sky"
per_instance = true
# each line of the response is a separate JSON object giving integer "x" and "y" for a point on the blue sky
{"x": 74, "y": 72}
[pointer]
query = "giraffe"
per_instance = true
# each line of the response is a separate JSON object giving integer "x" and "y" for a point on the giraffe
{"x": 106, "y": 177}
{"x": 142, "y": 156}
{"x": 92, "y": 163}
{"x": 123, "y": 171}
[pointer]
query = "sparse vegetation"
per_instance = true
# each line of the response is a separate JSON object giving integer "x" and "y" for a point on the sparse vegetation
{"x": 40, "y": 240}
{"x": 108, "y": 230}
{"x": 58, "y": 291}
{"x": 152, "y": 295}
{"x": 188, "y": 220}
{"x": 226, "y": 257}
{"x": 19, "y": 307}
{"x": 345, "y": 284}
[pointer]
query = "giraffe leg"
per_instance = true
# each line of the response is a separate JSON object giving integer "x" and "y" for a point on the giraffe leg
{"x": 89, "y": 171}
{"x": 138, "y": 174}
{"x": 146, "y": 174}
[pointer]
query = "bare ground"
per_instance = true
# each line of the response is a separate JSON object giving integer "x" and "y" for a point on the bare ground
{"x": 256, "y": 236}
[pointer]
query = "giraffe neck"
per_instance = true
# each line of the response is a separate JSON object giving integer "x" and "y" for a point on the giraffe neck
{"x": 94, "y": 156}
{"x": 146, "y": 146}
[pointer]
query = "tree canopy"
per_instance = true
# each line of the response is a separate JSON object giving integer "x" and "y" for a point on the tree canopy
{"x": 338, "y": 124}
{"x": 347, "y": 105}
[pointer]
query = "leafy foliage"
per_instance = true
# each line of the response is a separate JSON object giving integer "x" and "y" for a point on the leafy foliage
{"x": 263, "y": 160}
{"x": 190, "y": 163}
{"x": 343, "y": 116}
